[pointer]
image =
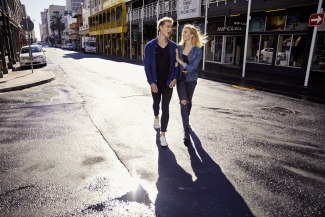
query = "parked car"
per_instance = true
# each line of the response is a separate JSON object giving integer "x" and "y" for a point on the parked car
{"x": 39, "y": 57}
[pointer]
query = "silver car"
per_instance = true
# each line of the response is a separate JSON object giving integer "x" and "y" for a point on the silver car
{"x": 38, "y": 53}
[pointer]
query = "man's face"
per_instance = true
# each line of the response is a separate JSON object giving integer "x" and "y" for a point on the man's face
{"x": 166, "y": 29}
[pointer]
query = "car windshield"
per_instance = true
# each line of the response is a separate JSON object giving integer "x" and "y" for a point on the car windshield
{"x": 91, "y": 44}
{"x": 34, "y": 49}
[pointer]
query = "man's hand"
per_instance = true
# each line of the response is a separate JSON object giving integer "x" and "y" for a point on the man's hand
{"x": 154, "y": 88}
{"x": 172, "y": 83}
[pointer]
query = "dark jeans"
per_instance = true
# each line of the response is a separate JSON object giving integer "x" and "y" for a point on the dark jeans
{"x": 164, "y": 95}
{"x": 185, "y": 91}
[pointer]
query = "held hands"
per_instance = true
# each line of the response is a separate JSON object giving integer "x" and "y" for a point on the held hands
{"x": 154, "y": 88}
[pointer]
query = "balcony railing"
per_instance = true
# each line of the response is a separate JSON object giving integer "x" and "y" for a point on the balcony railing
{"x": 150, "y": 10}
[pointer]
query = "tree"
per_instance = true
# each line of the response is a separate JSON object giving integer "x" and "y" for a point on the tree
{"x": 57, "y": 23}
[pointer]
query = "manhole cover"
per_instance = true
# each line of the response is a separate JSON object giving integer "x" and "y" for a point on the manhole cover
{"x": 280, "y": 110}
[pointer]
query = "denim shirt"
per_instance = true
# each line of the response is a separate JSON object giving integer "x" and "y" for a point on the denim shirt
{"x": 150, "y": 61}
{"x": 194, "y": 59}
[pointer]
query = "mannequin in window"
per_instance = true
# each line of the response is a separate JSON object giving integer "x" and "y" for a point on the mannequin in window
{"x": 287, "y": 44}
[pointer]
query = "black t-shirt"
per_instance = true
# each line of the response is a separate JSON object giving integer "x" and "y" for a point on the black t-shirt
{"x": 185, "y": 60}
{"x": 162, "y": 64}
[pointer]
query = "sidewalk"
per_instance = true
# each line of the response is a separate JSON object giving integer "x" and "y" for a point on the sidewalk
{"x": 18, "y": 80}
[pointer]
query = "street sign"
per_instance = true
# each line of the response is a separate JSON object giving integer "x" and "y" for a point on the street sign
{"x": 27, "y": 24}
{"x": 316, "y": 19}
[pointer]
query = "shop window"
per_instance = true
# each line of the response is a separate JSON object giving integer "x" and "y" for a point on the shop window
{"x": 318, "y": 63}
{"x": 214, "y": 48}
{"x": 260, "y": 49}
{"x": 290, "y": 50}
{"x": 275, "y": 23}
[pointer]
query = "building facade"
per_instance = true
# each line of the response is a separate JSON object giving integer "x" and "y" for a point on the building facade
{"x": 12, "y": 37}
{"x": 74, "y": 5}
{"x": 278, "y": 42}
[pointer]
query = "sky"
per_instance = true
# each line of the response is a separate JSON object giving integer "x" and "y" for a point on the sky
{"x": 34, "y": 9}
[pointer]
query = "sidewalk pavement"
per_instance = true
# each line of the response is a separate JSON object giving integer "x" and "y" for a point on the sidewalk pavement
{"x": 18, "y": 80}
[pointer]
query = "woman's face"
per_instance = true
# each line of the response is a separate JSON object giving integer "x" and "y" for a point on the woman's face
{"x": 186, "y": 34}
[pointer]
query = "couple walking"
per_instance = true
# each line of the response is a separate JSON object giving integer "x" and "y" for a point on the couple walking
{"x": 167, "y": 65}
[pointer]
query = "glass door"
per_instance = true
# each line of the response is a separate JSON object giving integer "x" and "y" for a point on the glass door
{"x": 229, "y": 44}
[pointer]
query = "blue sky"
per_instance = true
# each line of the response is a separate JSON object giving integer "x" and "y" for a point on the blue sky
{"x": 34, "y": 9}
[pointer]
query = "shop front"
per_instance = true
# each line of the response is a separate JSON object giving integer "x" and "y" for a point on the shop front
{"x": 278, "y": 44}
{"x": 224, "y": 48}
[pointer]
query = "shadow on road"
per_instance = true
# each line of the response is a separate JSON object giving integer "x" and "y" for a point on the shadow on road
{"x": 211, "y": 194}
{"x": 79, "y": 55}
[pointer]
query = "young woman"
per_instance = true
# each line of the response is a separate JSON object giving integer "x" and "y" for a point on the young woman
{"x": 188, "y": 55}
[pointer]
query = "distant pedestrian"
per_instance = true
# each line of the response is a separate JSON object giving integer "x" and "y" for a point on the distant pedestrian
{"x": 161, "y": 72}
{"x": 188, "y": 55}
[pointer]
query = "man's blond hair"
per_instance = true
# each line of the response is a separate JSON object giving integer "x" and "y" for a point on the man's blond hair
{"x": 163, "y": 20}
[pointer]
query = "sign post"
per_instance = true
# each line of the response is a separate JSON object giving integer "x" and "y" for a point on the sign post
{"x": 28, "y": 25}
{"x": 314, "y": 19}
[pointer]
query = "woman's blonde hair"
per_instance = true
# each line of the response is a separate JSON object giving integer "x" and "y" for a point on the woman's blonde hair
{"x": 198, "y": 39}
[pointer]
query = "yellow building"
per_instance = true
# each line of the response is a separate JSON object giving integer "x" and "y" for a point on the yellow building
{"x": 109, "y": 26}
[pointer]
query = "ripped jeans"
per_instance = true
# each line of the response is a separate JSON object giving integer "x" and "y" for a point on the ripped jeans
{"x": 185, "y": 91}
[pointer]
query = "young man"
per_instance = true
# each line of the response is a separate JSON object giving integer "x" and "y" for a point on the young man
{"x": 161, "y": 72}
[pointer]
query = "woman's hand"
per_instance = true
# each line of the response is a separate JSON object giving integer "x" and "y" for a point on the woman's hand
{"x": 177, "y": 56}
{"x": 172, "y": 83}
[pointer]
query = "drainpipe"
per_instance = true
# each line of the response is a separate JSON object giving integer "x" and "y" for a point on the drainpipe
{"x": 205, "y": 31}
{"x": 246, "y": 36}
{"x": 312, "y": 46}
{"x": 130, "y": 20}
{"x": 142, "y": 17}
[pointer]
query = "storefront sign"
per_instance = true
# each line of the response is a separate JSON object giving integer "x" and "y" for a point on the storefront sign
{"x": 230, "y": 29}
{"x": 188, "y": 9}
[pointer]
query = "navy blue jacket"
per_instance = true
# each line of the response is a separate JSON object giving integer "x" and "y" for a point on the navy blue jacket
{"x": 194, "y": 59}
{"x": 150, "y": 61}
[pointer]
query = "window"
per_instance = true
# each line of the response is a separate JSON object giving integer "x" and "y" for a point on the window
{"x": 257, "y": 24}
{"x": 260, "y": 49}
{"x": 290, "y": 50}
{"x": 275, "y": 23}
{"x": 214, "y": 48}
{"x": 119, "y": 13}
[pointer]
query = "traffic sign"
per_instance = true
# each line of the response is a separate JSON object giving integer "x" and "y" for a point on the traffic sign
{"x": 316, "y": 19}
{"x": 27, "y": 24}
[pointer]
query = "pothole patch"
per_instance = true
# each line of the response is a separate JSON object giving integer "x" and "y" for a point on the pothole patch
{"x": 280, "y": 111}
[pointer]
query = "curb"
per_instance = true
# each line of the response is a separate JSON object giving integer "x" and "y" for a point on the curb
{"x": 24, "y": 86}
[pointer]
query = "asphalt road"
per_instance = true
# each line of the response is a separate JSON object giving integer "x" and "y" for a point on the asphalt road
{"x": 84, "y": 145}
